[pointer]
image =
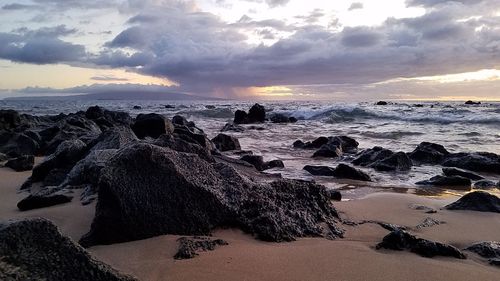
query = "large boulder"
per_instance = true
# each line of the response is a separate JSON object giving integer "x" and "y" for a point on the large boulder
{"x": 320, "y": 170}
{"x": 448, "y": 181}
{"x": 107, "y": 118}
{"x": 489, "y": 250}
{"x": 459, "y": 172}
{"x": 34, "y": 249}
{"x": 114, "y": 138}
{"x": 477, "y": 162}
{"x": 429, "y": 153}
{"x": 225, "y": 142}
{"x": 36, "y": 201}
{"x": 344, "y": 171}
{"x": 485, "y": 184}
{"x": 88, "y": 170}
{"x": 152, "y": 125}
{"x": 147, "y": 190}
{"x": 401, "y": 240}
{"x": 256, "y": 114}
{"x": 9, "y": 119}
{"x": 22, "y": 163}
{"x": 18, "y": 144}
{"x": 398, "y": 161}
{"x": 477, "y": 201}
{"x": 177, "y": 143}
{"x": 281, "y": 118}
{"x": 329, "y": 150}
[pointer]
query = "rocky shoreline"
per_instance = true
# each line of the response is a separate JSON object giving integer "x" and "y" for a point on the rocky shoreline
{"x": 150, "y": 176}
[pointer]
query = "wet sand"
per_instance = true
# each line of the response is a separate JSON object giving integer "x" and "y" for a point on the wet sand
{"x": 351, "y": 258}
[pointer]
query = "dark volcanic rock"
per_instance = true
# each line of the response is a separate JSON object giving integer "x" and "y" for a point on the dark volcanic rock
{"x": 34, "y": 249}
{"x": 484, "y": 184}
{"x": 489, "y": 250}
{"x": 381, "y": 103}
{"x": 477, "y": 201}
{"x": 281, "y": 118}
{"x": 401, "y": 240}
{"x": 458, "y": 172}
{"x": 88, "y": 170}
{"x": 240, "y": 117}
{"x": 233, "y": 128}
{"x": 469, "y": 102}
{"x": 334, "y": 195}
{"x": 41, "y": 201}
{"x": 178, "y": 144}
{"x": 152, "y": 125}
{"x": 478, "y": 162}
{"x": 372, "y": 155}
{"x": 344, "y": 171}
{"x": 107, "y": 118}
{"x": 330, "y": 150}
{"x": 9, "y": 119}
{"x": 330, "y": 146}
{"x": 429, "y": 153}
{"x": 22, "y": 163}
{"x": 256, "y": 160}
{"x": 16, "y": 144}
{"x": 456, "y": 181}
{"x": 398, "y": 161}
{"x": 256, "y": 114}
{"x": 320, "y": 170}
{"x": 226, "y": 143}
{"x": 274, "y": 164}
{"x": 189, "y": 247}
{"x": 147, "y": 190}
{"x": 114, "y": 138}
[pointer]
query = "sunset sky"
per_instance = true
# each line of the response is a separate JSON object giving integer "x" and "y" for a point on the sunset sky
{"x": 264, "y": 49}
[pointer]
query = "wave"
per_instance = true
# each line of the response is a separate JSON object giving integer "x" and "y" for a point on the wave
{"x": 210, "y": 113}
{"x": 394, "y": 135}
{"x": 439, "y": 115}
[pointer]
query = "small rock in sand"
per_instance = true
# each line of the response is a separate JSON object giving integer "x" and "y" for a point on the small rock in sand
{"x": 189, "y": 247}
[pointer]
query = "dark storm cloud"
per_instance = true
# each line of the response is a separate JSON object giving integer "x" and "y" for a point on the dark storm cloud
{"x": 16, "y": 6}
{"x": 360, "y": 37}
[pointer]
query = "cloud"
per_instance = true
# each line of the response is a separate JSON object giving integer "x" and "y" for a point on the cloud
{"x": 355, "y": 6}
{"x": 17, "y": 6}
{"x": 108, "y": 78}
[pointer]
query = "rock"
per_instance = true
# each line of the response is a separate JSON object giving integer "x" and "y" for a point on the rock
{"x": 152, "y": 125}
{"x": 240, "y": 117}
{"x": 180, "y": 120}
{"x": 168, "y": 106}
{"x": 429, "y": 153}
{"x": 114, "y": 138}
{"x": 326, "y": 145}
{"x": 398, "y": 161}
{"x": 107, "y": 118}
{"x": 458, "y": 172}
{"x": 334, "y": 195}
{"x": 20, "y": 164}
{"x": 274, "y": 164}
{"x": 329, "y": 150}
{"x": 137, "y": 107}
{"x": 34, "y": 249}
{"x": 256, "y": 160}
{"x": 190, "y": 134}
{"x": 477, "y": 201}
{"x": 477, "y": 162}
{"x": 41, "y": 201}
{"x": 469, "y": 102}
{"x": 372, "y": 155}
{"x": 175, "y": 143}
{"x": 484, "y": 184}
{"x": 226, "y": 143}
{"x": 88, "y": 170}
{"x": 3, "y": 157}
{"x": 320, "y": 170}
{"x": 281, "y": 118}
{"x": 381, "y": 103}
{"x": 146, "y": 190}
{"x": 344, "y": 171}
{"x": 429, "y": 222}
{"x": 189, "y": 247}
{"x": 16, "y": 144}
{"x": 234, "y": 128}
{"x": 489, "y": 250}
{"x": 9, "y": 119}
{"x": 401, "y": 240}
{"x": 427, "y": 209}
{"x": 257, "y": 114}
{"x": 299, "y": 144}
{"x": 455, "y": 181}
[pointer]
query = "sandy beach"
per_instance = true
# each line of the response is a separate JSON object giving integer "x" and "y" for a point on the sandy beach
{"x": 351, "y": 258}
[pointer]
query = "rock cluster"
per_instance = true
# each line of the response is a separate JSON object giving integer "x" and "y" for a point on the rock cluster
{"x": 256, "y": 114}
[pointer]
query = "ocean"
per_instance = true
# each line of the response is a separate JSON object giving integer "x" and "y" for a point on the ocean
{"x": 399, "y": 126}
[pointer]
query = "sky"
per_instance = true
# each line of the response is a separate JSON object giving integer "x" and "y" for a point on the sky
{"x": 254, "y": 49}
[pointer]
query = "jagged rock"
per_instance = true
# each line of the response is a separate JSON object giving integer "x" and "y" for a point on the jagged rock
{"x": 320, "y": 170}
{"x": 107, "y": 118}
{"x": 192, "y": 135}
{"x": 114, "y": 138}
{"x": 281, "y": 118}
{"x": 427, "y": 209}
{"x": 398, "y": 161}
{"x": 9, "y": 119}
{"x": 178, "y": 120}
{"x": 381, "y": 103}
{"x": 477, "y": 162}
{"x": 274, "y": 164}
{"x": 54, "y": 169}
{"x": 256, "y": 114}
{"x": 146, "y": 190}
{"x": 34, "y": 249}
{"x": 152, "y": 125}
{"x": 372, "y": 155}
{"x": 401, "y": 240}
{"x": 88, "y": 170}
{"x": 231, "y": 127}
{"x": 455, "y": 181}
{"x": 35, "y": 201}
{"x": 344, "y": 171}
{"x": 329, "y": 150}
{"x": 477, "y": 201}
{"x": 189, "y": 247}
{"x": 17, "y": 144}
{"x": 175, "y": 143}
{"x": 226, "y": 143}
{"x": 489, "y": 250}
{"x": 429, "y": 153}
{"x": 20, "y": 164}
{"x": 484, "y": 184}
{"x": 458, "y": 172}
